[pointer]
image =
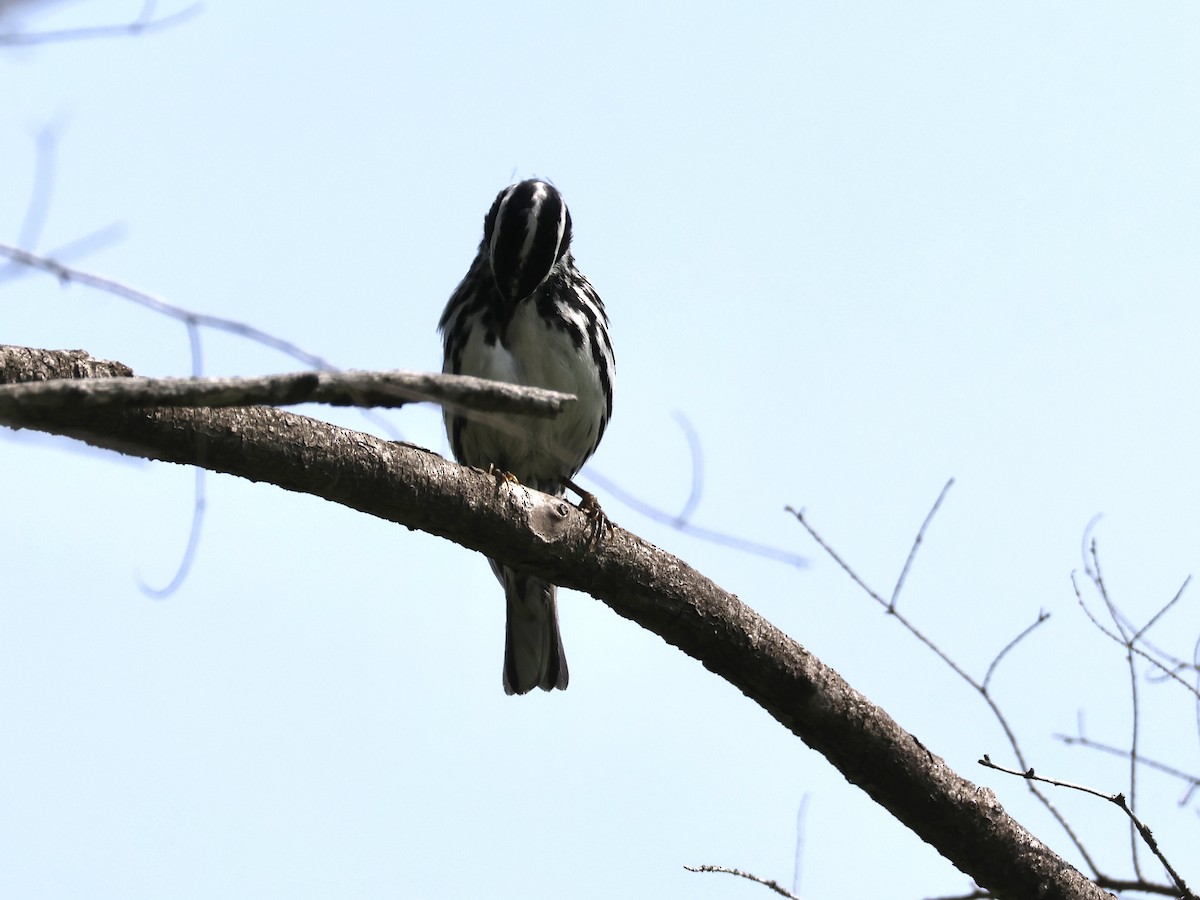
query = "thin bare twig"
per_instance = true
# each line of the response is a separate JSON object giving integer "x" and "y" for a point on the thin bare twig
{"x": 192, "y": 320}
{"x": 766, "y": 882}
{"x": 1129, "y": 636}
{"x": 1116, "y": 799}
{"x": 1082, "y": 740}
{"x": 696, "y": 451}
{"x": 1165, "y": 670}
{"x": 1140, "y": 634}
{"x": 916, "y": 544}
{"x": 1196, "y": 664}
{"x": 833, "y": 554}
{"x": 199, "y": 505}
{"x": 44, "y": 177}
{"x": 37, "y": 211}
{"x": 143, "y": 24}
{"x": 68, "y": 275}
{"x": 1041, "y": 617}
{"x": 798, "y": 869}
{"x": 1135, "y": 708}
{"x": 75, "y": 249}
{"x": 908, "y": 625}
{"x": 980, "y": 687}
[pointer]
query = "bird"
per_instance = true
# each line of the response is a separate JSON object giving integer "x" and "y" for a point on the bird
{"x": 525, "y": 314}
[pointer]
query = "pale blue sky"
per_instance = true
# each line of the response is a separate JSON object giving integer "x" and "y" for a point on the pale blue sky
{"x": 862, "y": 247}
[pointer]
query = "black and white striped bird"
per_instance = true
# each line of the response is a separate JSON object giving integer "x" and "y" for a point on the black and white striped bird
{"x": 524, "y": 314}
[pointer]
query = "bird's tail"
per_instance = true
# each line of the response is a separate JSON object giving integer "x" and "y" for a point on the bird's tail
{"x": 533, "y": 651}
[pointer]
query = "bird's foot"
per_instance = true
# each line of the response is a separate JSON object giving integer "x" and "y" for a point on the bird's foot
{"x": 600, "y": 523}
{"x": 502, "y": 476}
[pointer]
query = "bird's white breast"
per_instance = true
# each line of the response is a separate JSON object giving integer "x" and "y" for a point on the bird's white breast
{"x": 536, "y": 450}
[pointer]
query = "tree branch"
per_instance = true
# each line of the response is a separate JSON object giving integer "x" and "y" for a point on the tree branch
{"x": 365, "y": 389}
{"x": 536, "y": 532}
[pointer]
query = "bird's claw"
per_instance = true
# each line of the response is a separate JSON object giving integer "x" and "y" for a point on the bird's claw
{"x": 600, "y": 524}
{"x": 502, "y": 476}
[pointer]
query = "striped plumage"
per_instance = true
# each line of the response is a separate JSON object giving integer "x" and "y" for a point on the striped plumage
{"x": 524, "y": 314}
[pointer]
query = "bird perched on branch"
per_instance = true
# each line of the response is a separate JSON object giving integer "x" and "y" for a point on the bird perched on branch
{"x": 526, "y": 315}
